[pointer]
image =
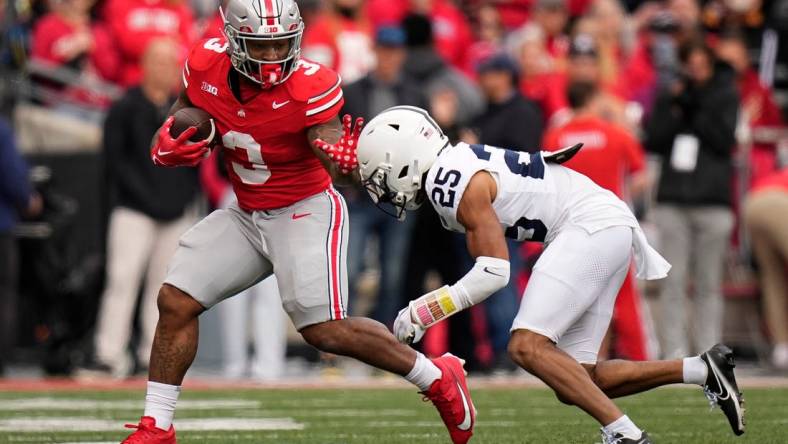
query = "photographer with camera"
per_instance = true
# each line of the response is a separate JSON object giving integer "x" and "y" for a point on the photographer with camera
{"x": 692, "y": 127}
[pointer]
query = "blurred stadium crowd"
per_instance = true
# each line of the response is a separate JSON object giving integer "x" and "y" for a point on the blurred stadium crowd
{"x": 680, "y": 104}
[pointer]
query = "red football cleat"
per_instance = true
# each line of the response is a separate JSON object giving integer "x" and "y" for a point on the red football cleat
{"x": 451, "y": 397}
{"x": 148, "y": 433}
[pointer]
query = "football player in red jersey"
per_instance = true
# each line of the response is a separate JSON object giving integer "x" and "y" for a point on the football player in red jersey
{"x": 283, "y": 142}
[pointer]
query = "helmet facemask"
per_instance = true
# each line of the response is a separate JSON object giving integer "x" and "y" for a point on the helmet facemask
{"x": 266, "y": 73}
{"x": 394, "y": 203}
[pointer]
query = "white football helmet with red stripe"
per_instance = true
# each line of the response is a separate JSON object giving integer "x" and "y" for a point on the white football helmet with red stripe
{"x": 255, "y": 20}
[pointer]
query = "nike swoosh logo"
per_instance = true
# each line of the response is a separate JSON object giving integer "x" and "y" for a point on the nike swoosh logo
{"x": 494, "y": 274}
{"x": 299, "y": 216}
{"x": 726, "y": 388}
{"x": 466, "y": 423}
{"x": 163, "y": 153}
{"x": 279, "y": 105}
{"x": 724, "y": 392}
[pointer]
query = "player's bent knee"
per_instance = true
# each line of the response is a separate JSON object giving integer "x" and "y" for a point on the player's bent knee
{"x": 175, "y": 304}
{"x": 326, "y": 336}
{"x": 526, "y": 347}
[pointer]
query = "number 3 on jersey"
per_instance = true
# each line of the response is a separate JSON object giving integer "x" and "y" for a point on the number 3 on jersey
{"x": 258, "y": 173}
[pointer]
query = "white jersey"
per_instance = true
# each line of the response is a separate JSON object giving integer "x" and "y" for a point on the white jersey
{"x": 535, "y": 200}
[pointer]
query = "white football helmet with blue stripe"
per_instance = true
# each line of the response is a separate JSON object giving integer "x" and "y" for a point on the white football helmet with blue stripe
{"x": 395, "y": 149}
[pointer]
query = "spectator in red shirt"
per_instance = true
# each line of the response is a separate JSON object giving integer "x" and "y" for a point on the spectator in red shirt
{"x": 758, "y": 108}
{"x": 135, "y": 23}
{"x": 341, "y": 39}
{"x": 490, "y": 34}
{"x": 65, "y": 37}
{"x": 609, "y": 156}
{"x": 552, "y": 16}
{"x": 539, "y": 77}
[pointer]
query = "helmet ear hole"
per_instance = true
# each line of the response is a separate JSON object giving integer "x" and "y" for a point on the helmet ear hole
{"x": 403, "y": 172}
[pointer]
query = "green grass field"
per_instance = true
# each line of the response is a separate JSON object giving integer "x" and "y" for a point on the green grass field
{"x": 377, "y": 416}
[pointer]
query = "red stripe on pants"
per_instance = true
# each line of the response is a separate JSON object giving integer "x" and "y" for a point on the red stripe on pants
{"x": 334, "y": 259}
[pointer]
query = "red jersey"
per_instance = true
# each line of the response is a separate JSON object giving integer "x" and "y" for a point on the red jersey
{"x": 341, "y": 44}
{"x": 609, "y": 152}
{"x": 53, "y": 37}
{"x": 134, "y": 23}
{"x": 268, "y": 157}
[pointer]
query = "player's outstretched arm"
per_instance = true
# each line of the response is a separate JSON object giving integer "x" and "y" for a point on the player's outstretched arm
{"x": 335, "y": 143}
{"x": 490, "y": 273}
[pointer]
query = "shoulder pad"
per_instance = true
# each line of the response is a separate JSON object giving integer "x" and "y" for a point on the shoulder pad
{"x": 312, "y": 81}
{"x": 205, "y": 53}
{"x": 562, "y": 155}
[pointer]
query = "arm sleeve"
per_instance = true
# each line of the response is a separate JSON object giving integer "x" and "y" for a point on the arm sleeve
{"x": 488, "y": 275}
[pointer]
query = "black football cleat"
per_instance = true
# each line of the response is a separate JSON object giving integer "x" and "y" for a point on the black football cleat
{"x": 720, "y": 387}
{"x": 609, "y": 438}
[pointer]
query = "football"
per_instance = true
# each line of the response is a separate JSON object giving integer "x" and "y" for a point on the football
{"x": 187, "y": 117}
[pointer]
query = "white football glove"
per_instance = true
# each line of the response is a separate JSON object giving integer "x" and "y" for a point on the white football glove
{"x": 407, "y": 331}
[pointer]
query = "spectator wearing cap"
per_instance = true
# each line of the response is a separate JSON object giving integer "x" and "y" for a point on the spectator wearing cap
{"x": 385, "y": 86}
{"x": 510, "y": 121}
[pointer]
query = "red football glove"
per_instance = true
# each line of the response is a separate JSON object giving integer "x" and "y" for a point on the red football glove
{"x": 179, "y": 151}
{"x": 343, "y": 153}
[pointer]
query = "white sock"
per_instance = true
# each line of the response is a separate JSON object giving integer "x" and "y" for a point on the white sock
{"x": 424, "y": 373}
{"x": 695, "y": 370}
{"x": 160, "y": 403}
{"x": 625, "y": 427}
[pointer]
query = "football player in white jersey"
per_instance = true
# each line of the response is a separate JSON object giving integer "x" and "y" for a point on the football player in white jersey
{"x": 590, "y": 235}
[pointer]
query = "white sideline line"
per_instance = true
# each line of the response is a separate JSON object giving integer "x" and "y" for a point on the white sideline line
{"x": 46, "y": 403}
{"x": 64, "y": 424}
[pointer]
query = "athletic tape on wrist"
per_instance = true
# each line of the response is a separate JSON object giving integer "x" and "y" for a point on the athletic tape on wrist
{"x": 433, "y": 306}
